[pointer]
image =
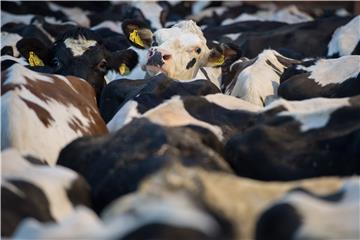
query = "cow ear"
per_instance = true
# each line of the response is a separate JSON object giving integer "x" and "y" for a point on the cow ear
{"x": 36, "y": 52}
{"x": 138, "y": 33}
{"x": 221, "y": 53}
{"x": 123, "y": 61}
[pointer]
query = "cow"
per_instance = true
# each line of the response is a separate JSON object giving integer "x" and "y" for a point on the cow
{"x": 77, "y": 52}
{"x": 115, "y": 164}
{"x": 345, "y": 40}
{"x": 33, "y": 189}
{"x": 299, "y": 139}
{"x": 178, "y": 57}
{"x": 146, "y": 94}
{"x": 7, "y": 61}
{"x": 41, "y": 113}
{"x": 331, "y": 78}
{"x": 217, "y": 206}
{"x": 303, "y": 214}
{"x": 221, "y": 114}
{"x": 256, "y": 80}
{"x": 316, "y": 35}
{"x": 8, "y": 44}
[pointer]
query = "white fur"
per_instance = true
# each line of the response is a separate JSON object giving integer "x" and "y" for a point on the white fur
{"x": 120, "y": 218}
{"x": 136, "y": 74}
{"x": 75, "y": 14}
{"x": 82, "y": 223}
{"x": 290, "y": 14}
{"x": 327, "y": 71}
{"x": 53, "y": 181}
{"x": 79, "y": 46}
{"x": 231, "y": 103}
{"x": 151, "y": 11}
{"x": 173, "y": 113}
{"x": 207, "y": 13}
{"x": 21, "y": 127}
{"x": 112, "y": 25}
{"x": 132, "y": 212}
{"x": 311, "y": 113}
{"x": 328, "y": 220}
{"x": 10, "y": 39}
{"x": 345, "y": 38}
{"x": 9, "y": 17}
{"x": 258, "y": 82}
{"x": 213, "y": 73}
{"x": 180, "y": 41}
{"x": 21, "y": 60}
{"x": 123, "y": 116}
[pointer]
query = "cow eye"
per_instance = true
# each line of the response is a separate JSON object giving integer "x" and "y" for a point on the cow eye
{"x": 56, "y": 62}
{"x": 198, "y": 50}
{"x": 102, "y": 66}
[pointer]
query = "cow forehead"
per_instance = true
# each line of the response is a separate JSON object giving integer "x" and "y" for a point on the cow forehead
{"x": 181, "y": 36}
{"x": 79, "y": 45}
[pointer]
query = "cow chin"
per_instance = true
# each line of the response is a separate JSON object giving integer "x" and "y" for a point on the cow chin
{"x": 155, "y": 70}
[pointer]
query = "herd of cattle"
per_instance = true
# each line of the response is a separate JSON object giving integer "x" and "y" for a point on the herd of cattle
{"x": 179, "y": 120}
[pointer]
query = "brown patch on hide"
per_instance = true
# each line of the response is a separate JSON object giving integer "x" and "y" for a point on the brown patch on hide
{"x": 44, "y": 116}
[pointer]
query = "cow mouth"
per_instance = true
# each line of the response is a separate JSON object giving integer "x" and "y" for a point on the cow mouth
{"x": 154, "y": 69}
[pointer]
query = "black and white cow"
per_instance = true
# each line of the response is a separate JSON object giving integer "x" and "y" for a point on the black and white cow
{"x": 179, "y": 51}
{"x": 77, "y": 52}
{"x": 303, "y": 214}
{"x": 119, "y": 98}
{"x": 345, "y": 40}
{"x": 315, "y": 35}
{"x": 115, "y": 164}
{"x": 8, "y": 44}
{"x": 256, "y": 80}
{"x": 223, "y": 115}
{"x": 41, "y": 113}
{"x": 179, "y": 201}
{"x": 332, "y": 78}
{"x": 300, "y": 139}
{"x": 32, "y": 189}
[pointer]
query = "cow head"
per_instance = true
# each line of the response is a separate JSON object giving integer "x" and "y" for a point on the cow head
{"x": 77, "y": 52}
{"x": 178, "y": 51}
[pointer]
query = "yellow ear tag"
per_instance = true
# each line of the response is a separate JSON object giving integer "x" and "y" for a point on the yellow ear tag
{"x": 135, "y": 38}
{"x": 220, "y": 61}
{"x": 34, "y": 60}
{"x": 123, "y": 69}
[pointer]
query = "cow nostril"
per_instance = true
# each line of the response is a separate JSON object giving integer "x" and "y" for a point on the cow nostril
{"x": 166, "y": 57}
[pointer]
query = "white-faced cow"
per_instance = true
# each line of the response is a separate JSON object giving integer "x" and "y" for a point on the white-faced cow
{"x": 41, "y": 113}
{"x": 32, "y": 189}
{"x": 179, "y": 51}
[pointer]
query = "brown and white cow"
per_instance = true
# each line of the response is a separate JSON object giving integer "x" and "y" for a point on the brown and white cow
{"x": 41, "y": 113}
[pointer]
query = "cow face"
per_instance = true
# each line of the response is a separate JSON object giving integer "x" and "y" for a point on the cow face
{"x": 178, "y": 51}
